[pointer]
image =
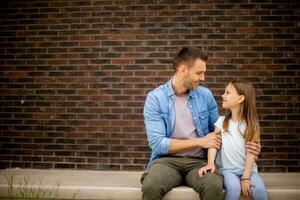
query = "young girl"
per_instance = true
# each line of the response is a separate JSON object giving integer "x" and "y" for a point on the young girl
{"x": 239, "y": 126}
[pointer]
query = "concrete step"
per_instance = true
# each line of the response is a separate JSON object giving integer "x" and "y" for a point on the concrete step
{"x": 122, "y": 185}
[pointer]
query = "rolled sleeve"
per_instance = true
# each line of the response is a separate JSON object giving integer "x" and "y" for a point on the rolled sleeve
{"x": 155, "y": 126}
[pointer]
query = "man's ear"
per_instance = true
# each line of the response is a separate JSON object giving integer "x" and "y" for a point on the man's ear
{"x": 182, "y": 69}
{"x": 241, "y": 99}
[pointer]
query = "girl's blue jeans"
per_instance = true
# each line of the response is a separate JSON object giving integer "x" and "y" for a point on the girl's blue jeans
{"x": 232, "y": 185}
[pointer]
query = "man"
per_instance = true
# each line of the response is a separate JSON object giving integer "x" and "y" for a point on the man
{"x": 179, "y": 118}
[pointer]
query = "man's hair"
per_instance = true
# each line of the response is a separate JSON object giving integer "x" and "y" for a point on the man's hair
{"x": 187, "y": 56}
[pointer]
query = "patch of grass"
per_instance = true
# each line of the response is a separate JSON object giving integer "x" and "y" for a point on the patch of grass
{"x": 28, "y": 190}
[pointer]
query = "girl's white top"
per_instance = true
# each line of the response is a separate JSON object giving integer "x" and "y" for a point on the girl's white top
{"x": 232, "y": 155}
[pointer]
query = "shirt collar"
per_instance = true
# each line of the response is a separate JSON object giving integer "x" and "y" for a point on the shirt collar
{"x": 171, "y": 92}
{"x": 170, "y": 88}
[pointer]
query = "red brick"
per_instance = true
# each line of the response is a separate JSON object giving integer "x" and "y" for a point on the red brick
{"x": 84, "y": 74}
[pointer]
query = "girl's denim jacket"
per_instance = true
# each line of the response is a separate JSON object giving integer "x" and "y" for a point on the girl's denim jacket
{"x": 159, "y": 116}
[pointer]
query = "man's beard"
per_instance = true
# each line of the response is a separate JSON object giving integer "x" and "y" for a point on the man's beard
{"x": 191, "y": 85}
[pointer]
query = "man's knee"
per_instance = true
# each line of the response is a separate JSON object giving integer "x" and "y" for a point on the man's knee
{"x": 151, "y": 190}
{"x": 211, "y": 188}
{"x": 214, "y": 181}
{"x": 149, "y": 185}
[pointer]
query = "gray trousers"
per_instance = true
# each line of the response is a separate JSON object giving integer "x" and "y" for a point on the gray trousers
{"x": 169, "y": 172}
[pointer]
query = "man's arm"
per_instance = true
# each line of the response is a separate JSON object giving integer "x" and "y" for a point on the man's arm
{"x": 211, "y": 140}
{"x": 155, "y": 126}
{"x": 157, "y": 136}
{"x": 254, "y": 148}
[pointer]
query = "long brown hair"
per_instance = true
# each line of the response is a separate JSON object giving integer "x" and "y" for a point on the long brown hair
{"x": 247, "y": 110}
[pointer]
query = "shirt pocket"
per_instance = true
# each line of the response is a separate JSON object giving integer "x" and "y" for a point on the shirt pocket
{"x": 203, "y": 118}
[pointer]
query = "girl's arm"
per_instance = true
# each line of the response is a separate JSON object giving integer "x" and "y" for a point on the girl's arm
{"x": 211, "y": 155}
{"x": 245, "y": 180}
{"x": 212, "y": 152}
{"x": 210, "y": 166}
{"x": 250, "y": 158}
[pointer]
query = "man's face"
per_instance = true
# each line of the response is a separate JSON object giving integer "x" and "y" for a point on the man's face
{"x": 194, "y": 75}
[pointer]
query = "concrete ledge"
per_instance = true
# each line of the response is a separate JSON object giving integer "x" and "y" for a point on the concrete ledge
{"x": 121, "y": 185}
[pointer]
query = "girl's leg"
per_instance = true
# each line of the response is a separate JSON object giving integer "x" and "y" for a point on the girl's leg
{"x": 258, "y": 189}
{"x": 232, "y": 185}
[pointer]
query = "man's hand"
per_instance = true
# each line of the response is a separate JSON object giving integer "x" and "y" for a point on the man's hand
{"x": 211, "y": 140}
{"x": 254, "y": 148}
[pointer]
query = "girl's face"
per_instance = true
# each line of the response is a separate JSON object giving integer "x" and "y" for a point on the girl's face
{"x": 231, "y": 99}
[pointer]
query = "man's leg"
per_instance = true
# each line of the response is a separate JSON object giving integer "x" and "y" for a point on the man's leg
{"x": 209, "y": 186}
{"x": 161, "y": 177}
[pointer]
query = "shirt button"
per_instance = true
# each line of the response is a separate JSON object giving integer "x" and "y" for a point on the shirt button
{"x": 202, "y": 117}
{"x": 191, "y": 106}
{"x": 194, "y": 117}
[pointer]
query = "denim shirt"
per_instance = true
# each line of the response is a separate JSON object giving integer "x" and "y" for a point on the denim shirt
{"x": 159, "y": 116}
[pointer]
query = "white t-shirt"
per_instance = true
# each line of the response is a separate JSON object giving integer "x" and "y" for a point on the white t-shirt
{"x": 232, "y": 155}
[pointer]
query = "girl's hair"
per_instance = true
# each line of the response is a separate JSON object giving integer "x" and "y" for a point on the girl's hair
{"x": 247, "y": 110}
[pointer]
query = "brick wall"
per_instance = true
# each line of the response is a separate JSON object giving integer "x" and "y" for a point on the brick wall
{"x": 74, "y": 75}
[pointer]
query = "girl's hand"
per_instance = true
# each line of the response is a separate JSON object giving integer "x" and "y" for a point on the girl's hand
{"x": 246, "y": 184}
{"x": 209, "y": 167}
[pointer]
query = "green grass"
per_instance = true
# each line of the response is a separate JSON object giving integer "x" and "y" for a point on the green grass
{"x": 25, "y": 189}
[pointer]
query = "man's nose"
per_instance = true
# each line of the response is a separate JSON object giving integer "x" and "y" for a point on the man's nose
{"x": 202, "y": 77}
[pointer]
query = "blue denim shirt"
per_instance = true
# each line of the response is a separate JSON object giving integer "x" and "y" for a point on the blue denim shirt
{"x": 159, "y": 116}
